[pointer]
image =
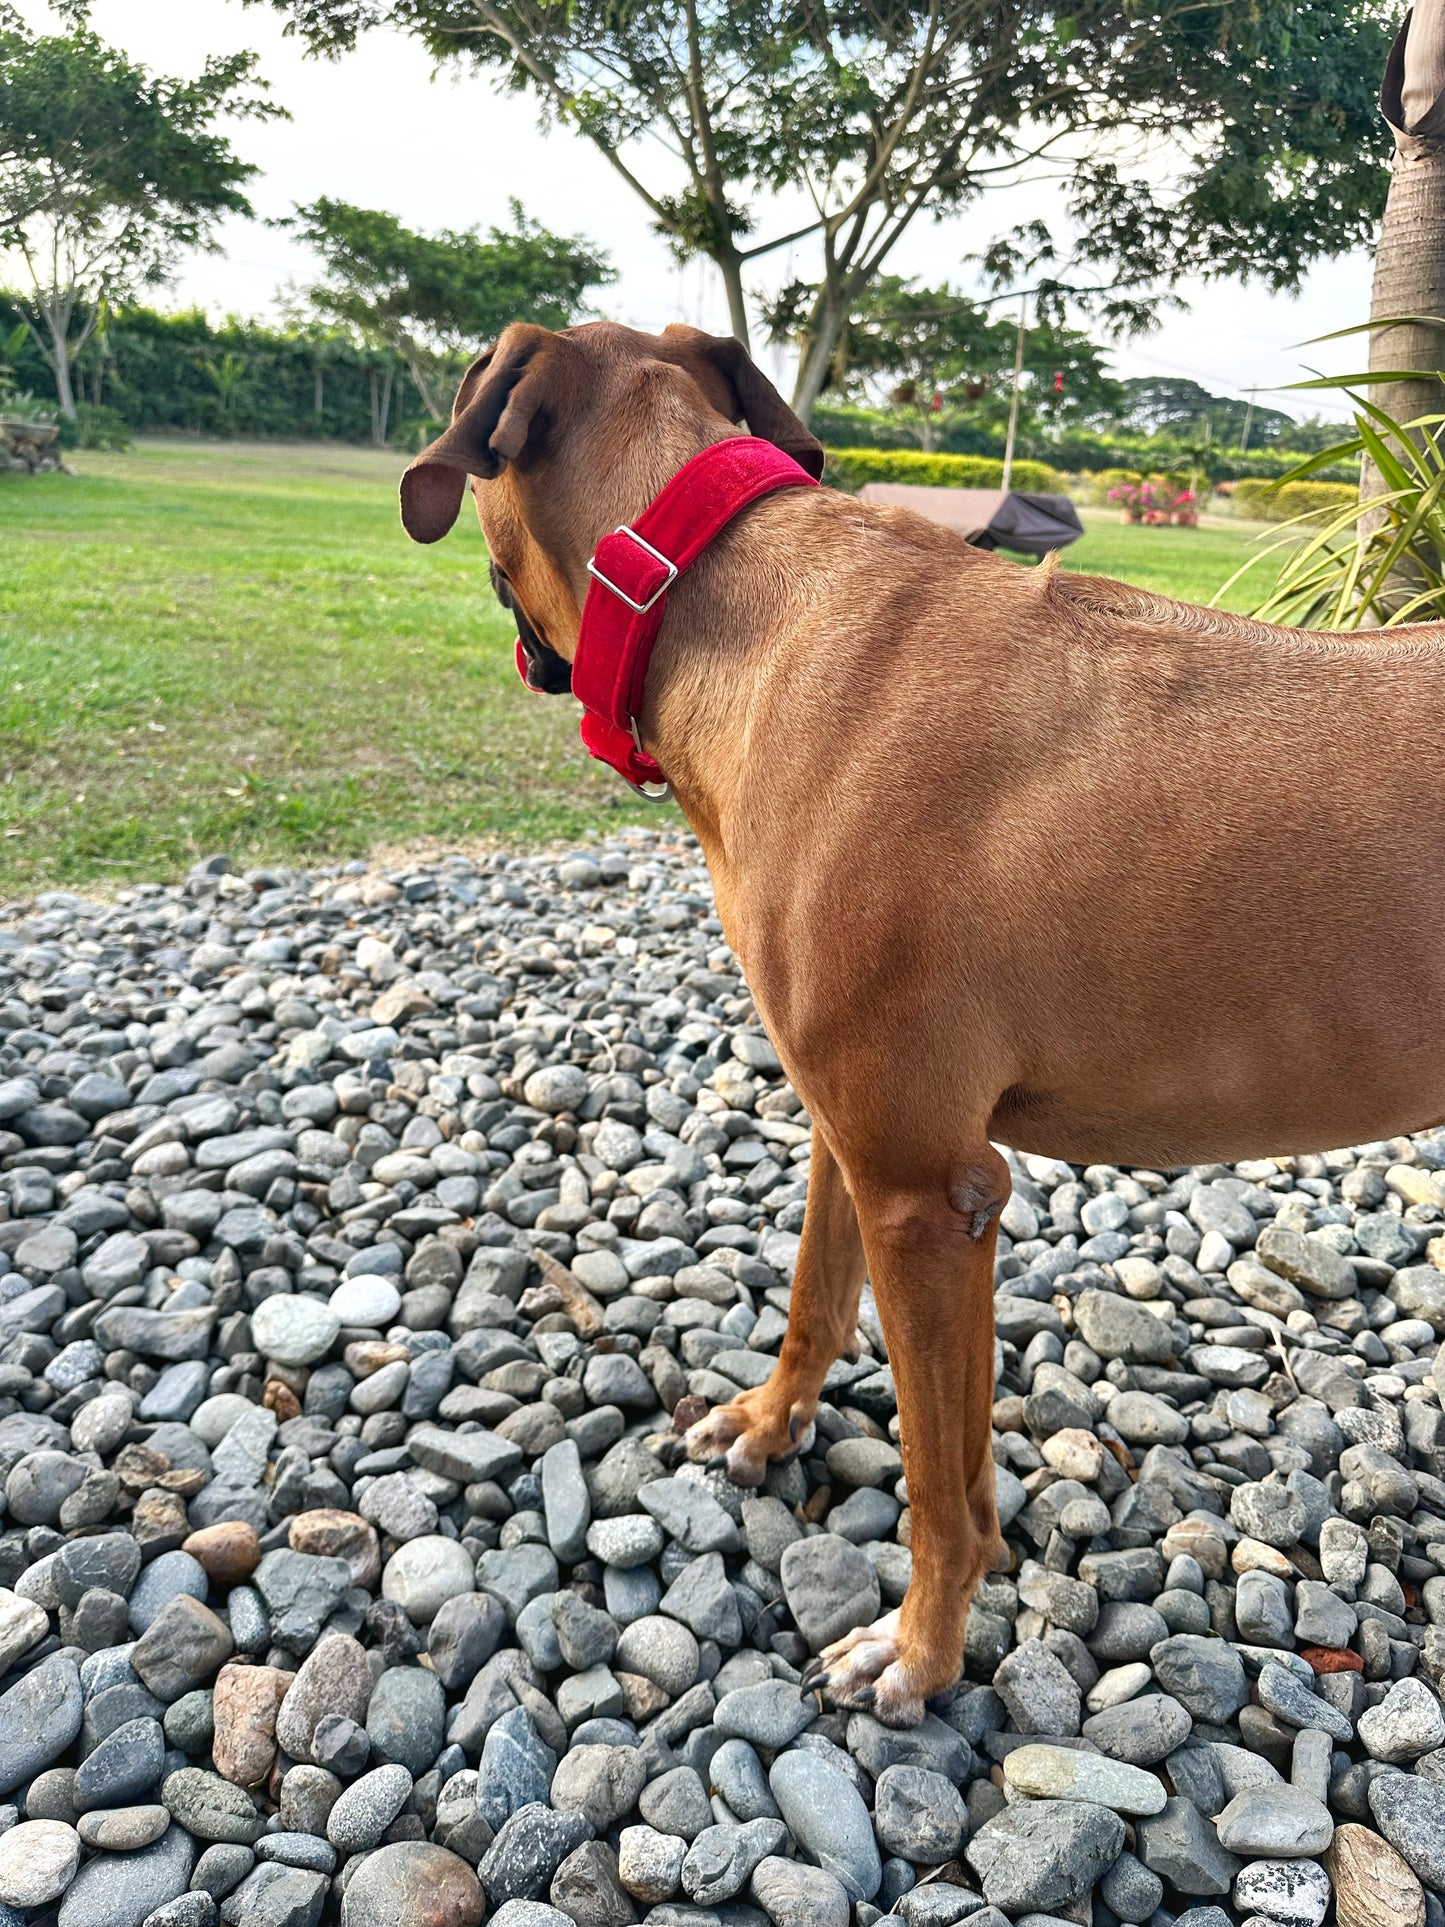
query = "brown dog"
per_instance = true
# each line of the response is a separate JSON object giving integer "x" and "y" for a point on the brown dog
{"x": 1005, "y": 854}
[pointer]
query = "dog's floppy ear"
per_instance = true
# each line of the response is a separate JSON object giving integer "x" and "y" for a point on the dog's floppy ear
{"x": 491, "y": 419}
{"x": 758, "y": 403}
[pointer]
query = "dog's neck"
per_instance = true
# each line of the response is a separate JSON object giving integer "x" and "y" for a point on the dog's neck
{"x": 708, "y": 687}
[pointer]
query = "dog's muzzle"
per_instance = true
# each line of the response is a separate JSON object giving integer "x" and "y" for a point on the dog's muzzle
{"x": 543, "y": 671}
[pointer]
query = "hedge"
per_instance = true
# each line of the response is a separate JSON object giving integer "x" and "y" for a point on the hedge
{"x": 850, "y": 468}
{"x": 1264, "y": 502}
{"x": 182, "y": 373}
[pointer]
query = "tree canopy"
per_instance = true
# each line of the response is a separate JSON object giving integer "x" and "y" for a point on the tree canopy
{"x": 1186, "y": 136}
{"x": 108, "y": 172}
{"x": 1158, "y": 402}
{"x": 933, "y": 356}
{"x": 420, "y": 294}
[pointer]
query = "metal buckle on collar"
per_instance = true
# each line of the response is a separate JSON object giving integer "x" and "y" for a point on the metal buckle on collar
{"x": 638, "y": 608}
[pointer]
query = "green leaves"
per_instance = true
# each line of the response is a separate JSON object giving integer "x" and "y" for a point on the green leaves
{"x": 1373, "y": 563}
{"x": 108, "y": 172}
{"x": 447, "y": 290}
{"x": 1191, "y": 137}
{"x": 934, "y": 356}
{"x": 88, "y": 135}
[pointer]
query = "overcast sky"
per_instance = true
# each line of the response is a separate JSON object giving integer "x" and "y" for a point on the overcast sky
{"x": 376, "y": 128}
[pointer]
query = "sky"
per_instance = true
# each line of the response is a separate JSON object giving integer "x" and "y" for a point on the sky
{"x": 378, "y": 129}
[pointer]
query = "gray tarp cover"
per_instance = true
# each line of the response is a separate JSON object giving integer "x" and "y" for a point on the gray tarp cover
{"x": 989, "y": 518}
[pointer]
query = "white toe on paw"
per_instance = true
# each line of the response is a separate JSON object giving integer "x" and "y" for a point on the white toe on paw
{"x": 745, "y": 1441}
{"x": 866, "y": 1669}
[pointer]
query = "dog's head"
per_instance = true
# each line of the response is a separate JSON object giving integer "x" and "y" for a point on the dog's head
{"x": 564, "y": 436}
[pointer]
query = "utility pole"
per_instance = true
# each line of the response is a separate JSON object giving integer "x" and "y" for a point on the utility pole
{"x": 1248, "y": 424}
{"x": 1013, "y": 406}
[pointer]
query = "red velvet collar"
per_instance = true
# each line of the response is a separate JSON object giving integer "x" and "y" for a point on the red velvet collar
{"x": 632, "y": 570}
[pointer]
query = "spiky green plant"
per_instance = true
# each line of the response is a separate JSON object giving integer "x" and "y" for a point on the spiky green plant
{"x": 1379, "y": 561}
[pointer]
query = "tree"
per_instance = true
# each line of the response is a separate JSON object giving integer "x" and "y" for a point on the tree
{"x": 1308, "y": 437}
{"x": 420, "y": 295}
{"x": 1250, "y": 134}
{"x": 1161, "y": 403}
{"x": 1410, "y": 254}
{"x": 107, "y": 173}
{"x": 935, "y": 357}
{"x": 927, "y": 354}
{"x": 229, "y": 377}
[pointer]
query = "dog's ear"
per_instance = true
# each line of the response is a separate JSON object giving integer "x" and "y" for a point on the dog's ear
{"x": 758, "y": 403}
{"x": 491, "y": 420}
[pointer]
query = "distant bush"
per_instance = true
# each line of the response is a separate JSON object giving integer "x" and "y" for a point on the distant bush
{"x": 19, "y": 405}
{"x": 859, "y": 428}
{"x": 850, "y": 468}
{"x": 1096, "y": 486}
{"x": 95, "y": 426}
{"x": 1264, "y": 502}
{"x": 182, "y": 373}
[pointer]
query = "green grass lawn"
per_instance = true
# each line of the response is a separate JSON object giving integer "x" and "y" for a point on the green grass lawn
{"x": 1188, "y": 563}
{"x": 234, "y": 647}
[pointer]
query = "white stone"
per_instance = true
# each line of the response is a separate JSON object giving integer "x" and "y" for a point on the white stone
{"x": 1074, "y": 1454}
{"x": 649, "y": 1863}
{"x": 368, "y": 1301}
{"x": 364, "y": 1046}
{"x": 294, "y": 1329}
{"x": 1120, "y": 1683}
{"x": 38, "y": 1860}
{"x": 371, "y": 951}
{"x": 1293, "y": 1892}
{"x": 425, "y": 1573}
{"x": 214, "y": 1417}
{"x": 1059, "y": 1773}
{"x": 1406, "y": 1723}
{"x": 22, "y": 1622}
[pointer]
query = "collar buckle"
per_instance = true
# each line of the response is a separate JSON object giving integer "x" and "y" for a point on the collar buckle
{"x": 638, "y": 608}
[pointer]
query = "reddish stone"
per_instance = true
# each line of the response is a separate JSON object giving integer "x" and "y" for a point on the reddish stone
{"x": 1373, "y": 1885}
{"x": 247, "y": 1700}
{"x": 281, "y": 1400}
{"x": 1332, "y": 1659}
{"x": 334, "y": 1678}
{"x": 230, "y": 1551}
{"x": 158, "y": 1522}
{"x": 688, "y": 1411}
{"x": 329, "y": 1533}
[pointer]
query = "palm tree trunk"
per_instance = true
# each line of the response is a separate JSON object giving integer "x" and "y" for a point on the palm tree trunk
{"x": 1410, "y": 256}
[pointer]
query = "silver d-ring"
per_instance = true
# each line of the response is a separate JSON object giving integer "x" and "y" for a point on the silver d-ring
{"x": 662, "y": 793}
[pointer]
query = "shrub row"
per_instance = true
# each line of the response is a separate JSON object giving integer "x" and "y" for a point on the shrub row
{"x": 182, "y": 373}
{"x": 1073, "y": 451}
{"x": 850, "y": 468}
{"x": 1266, "y": 502}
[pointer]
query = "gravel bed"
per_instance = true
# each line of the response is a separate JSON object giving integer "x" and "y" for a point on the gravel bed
{"x": 366, "y": 1240}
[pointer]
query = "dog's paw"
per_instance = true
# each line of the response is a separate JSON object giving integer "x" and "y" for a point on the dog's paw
{"x": 750, "y": 1433}
{"x": 871, "y": 1669}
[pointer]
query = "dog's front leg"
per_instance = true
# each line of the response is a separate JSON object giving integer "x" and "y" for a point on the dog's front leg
{"x": 930, "y": 1256}
{"x": 774, "y": 1422}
